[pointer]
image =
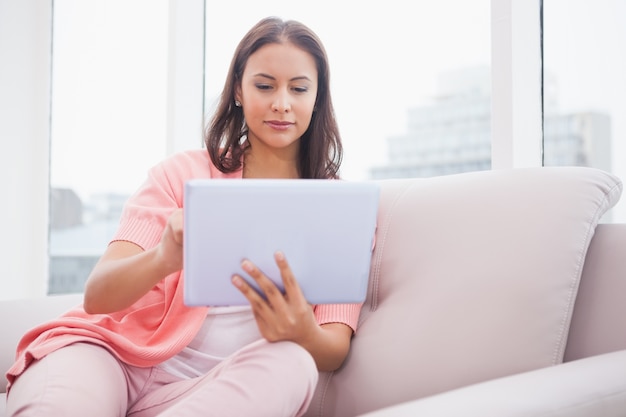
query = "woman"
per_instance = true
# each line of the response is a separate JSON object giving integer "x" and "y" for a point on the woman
{"x": 133, "y": 347}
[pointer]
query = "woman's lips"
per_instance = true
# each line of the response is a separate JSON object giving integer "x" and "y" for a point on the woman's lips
{"x": 279, "y": 125}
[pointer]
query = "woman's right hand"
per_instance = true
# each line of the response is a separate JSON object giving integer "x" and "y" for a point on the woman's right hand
{"x": 126, "y": 272}
{"x": 170, "y": 248}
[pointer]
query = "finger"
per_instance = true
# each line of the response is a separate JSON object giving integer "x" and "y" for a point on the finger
{"x": 267, "y": 286}
{"x": 292, "y": 288}
{"x": 257, "y": 302}
{"x": 177, "y": 222}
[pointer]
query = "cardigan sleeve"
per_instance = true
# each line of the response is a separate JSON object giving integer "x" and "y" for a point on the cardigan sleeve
{"x": 146, "y": 212}
{"x": 338, "y": 313}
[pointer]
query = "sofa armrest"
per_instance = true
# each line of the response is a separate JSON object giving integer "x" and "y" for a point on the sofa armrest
{"x": 20, "y": 315}
{"x": 590, "y": 387}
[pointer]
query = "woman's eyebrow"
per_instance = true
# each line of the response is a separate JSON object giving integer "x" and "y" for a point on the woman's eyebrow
{"x": 298, "y": 78}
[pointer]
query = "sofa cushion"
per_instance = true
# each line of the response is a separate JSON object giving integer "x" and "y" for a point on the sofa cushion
{"x": 590, "y": 387}
{"x": 473, "y": 277}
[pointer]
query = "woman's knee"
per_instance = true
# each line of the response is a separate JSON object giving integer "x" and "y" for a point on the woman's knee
{"x": 298, "y": 355}
{"x": 293, "y": 360}
{"x": 77, "y": 380}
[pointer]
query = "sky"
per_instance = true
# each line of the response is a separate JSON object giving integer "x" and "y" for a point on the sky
{"x": 109, "y": 78}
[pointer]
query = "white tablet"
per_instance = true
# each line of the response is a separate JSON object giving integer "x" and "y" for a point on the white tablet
{"x": 325, "y": 228}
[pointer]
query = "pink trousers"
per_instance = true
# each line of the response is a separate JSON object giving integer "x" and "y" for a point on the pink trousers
{"x": 262, "y": 379}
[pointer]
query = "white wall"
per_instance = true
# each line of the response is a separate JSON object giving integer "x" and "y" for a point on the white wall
{"x": 25, "y": 35}
{"x": 516, "y": 113}
{"x": 185, "y": 106}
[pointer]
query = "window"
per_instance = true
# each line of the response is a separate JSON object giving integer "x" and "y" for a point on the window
{"x": 109, "y": 73}
{"x": 403, "y": 77}
{"x": 399, "y": 73}
{"x": 584, "y": 86}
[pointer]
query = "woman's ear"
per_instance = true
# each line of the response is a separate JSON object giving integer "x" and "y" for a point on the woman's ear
{"x": 238, "y": 93}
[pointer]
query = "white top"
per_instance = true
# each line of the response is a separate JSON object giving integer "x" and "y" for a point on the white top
{"x": 224, "y": 331}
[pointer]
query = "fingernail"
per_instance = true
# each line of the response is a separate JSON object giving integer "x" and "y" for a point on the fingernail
{"x": 280, "y": 256}
{"x": 246, "y": 265}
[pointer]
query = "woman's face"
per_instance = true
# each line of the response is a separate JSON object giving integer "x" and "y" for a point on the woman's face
{"x": 277, "y": 93}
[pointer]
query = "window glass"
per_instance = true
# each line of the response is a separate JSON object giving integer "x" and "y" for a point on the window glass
{"x": 410, "y": 80}
{"x": 109, "y": 61}
{"x": 584, "y": 86}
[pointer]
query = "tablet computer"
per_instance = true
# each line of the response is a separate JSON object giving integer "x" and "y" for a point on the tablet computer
{"x": 325, "y": 228}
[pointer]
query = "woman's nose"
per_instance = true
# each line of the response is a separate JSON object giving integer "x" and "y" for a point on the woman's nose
{"x": 281, "y": 102}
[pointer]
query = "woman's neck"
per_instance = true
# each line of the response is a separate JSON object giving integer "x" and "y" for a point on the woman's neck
{"x": 261, "y": 164}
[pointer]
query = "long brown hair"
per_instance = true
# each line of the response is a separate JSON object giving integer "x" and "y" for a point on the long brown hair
{"x": 320, "y": 150}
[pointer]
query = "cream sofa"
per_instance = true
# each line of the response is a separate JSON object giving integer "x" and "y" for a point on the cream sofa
{"x": 491, "y": 293}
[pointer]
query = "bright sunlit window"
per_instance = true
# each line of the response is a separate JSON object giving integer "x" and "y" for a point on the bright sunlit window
{"x": 109, "y": 69}
{"x": 410, "y": 81}
{"x": 585, "y": 86}
{"x": 411, "y": 84}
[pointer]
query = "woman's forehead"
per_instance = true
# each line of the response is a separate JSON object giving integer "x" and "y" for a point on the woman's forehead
{"x": 281, "y": 60}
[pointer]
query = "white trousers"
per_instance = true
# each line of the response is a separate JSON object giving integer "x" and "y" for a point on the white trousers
{"x": 261, "y": 379}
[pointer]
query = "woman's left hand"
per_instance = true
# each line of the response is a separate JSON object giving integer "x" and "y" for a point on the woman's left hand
{"x": 279, "y": 316}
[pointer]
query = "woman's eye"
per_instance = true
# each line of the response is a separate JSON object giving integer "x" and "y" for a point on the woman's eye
{"x": 263, "y": 86}
{"x": 301, "y": 89}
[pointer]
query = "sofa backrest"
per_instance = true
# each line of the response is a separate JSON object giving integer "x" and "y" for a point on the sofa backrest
{"x": 474, "y": 277}
{"x": 599, "y": 319}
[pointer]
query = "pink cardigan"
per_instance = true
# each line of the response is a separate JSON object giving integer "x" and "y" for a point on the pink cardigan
{"x": 158, "y": 325}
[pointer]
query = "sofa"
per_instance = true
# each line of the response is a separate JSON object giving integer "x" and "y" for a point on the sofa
{"x": 491, "y": 293}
